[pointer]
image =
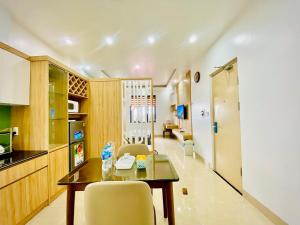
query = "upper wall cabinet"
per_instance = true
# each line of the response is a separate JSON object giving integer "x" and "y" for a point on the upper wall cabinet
{"x": 14, "y": 79}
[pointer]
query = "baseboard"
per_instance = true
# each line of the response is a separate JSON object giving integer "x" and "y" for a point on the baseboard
{"x": 267, "y": 212}
{"x": 53, "y": 197}
{"x": 198, "y": 156}
{"x": 201, "y": 158}
{"x": 32, "y": 214}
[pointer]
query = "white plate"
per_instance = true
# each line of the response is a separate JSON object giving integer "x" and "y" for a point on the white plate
{"x": 125, "y": 162}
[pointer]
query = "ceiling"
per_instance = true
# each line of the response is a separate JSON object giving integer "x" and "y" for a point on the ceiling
{"x": 150, "y": 38}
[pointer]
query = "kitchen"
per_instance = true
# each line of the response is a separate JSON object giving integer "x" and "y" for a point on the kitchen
{"x": 34, "y": 131}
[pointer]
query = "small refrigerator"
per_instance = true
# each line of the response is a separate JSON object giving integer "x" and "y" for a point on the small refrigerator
{"x": 76, "y": 144}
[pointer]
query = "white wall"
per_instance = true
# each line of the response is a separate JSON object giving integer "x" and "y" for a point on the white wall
{"x": 13, "y": 34}
{"x": 163, "y": 103}
{"x": 266, "y": 40}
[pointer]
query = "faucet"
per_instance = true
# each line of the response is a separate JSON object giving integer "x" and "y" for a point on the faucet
{"x": 6, "y": 147}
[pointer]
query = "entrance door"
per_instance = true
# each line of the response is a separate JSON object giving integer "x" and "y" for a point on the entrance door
{"x": 227, "y": 140}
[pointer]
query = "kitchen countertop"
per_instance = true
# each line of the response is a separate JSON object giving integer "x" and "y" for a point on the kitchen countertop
{"x": 17, "y": 157}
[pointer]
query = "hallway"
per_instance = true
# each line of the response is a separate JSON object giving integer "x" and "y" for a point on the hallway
{"x": 210, "y": 200}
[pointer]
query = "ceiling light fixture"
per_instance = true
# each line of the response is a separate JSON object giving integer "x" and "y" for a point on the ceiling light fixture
{"x": 151, "y": 40}
{"x": 137, "y": 66}
{"x": 193, "y": 38}
{"x": 109, "y": 40}
{"x": 68, "y": 41}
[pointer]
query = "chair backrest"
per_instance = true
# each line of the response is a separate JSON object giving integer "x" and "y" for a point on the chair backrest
{"x": 118, "y": 203}
{"x": 133, "y": 149}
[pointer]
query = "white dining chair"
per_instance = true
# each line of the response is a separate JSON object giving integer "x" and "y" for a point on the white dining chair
{"x": 133, "y": 149}
{"x": 119, "y": 203}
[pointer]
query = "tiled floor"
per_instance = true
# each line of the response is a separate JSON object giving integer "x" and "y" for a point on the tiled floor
{"x": 210, "y": 201}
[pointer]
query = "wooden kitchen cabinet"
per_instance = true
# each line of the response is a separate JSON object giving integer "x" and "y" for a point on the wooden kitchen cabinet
{"x": 37, "y": 189}
{"x": 58, "y": 168}
{"x": 13, "y": 205}
{"x": 21, "y": 199}
{"x": 44, "y": 124}
{"x": 19, "y": 171}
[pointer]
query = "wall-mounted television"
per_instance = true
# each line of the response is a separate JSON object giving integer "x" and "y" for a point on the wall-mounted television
{"x": 181, "y": 112}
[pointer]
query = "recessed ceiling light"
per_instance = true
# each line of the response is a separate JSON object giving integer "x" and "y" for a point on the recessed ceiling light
{"x": 193, "y": 38}
{"x": 151, "y": 40}
{"x": 137, "y": 66}
{"x": 242, "y": 39}
{"x": 109, "y": 40}
{"x": 68, "y": 41}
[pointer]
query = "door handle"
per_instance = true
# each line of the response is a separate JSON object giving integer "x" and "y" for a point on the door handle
{"x": 215, "y": 127}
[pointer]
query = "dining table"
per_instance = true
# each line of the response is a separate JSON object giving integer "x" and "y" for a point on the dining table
{"x": 159, "y": 173}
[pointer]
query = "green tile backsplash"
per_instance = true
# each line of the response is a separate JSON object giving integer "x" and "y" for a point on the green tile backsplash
{"x": 4, "y": 116}
{"x": 4, "y": 121}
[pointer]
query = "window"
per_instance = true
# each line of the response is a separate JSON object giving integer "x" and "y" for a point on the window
{"x": 141, "y": 111}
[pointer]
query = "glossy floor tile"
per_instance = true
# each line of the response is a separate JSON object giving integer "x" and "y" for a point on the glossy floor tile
{"x": 210, "y": 200}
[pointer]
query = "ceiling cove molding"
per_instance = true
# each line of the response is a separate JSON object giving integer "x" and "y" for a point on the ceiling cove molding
{"x": 105, "y": 73}
{"x": 169, "y": 80}
{"x": 157, "y": 86}
{"x": 171, "y": 76}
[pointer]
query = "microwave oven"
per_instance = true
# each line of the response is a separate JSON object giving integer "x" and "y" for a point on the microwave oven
{"x": 73, "y": 106}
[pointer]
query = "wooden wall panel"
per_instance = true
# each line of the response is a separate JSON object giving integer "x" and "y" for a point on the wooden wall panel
{"x": 33, "y": 120}
{"x": 84, "y": 108}
{"x": 105, "y": 115}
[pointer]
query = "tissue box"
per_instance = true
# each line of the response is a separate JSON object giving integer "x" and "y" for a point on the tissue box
{"x": 141, "y": 161}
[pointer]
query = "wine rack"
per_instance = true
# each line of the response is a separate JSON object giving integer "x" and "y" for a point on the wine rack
{"x": 78, "y": 86}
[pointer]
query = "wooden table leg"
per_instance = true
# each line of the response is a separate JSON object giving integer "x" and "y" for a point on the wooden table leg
{"x": 170, "y": 203}
{"x": 171, "y": 133}
{"x": 164, "y": 194}
{"x": 70, "y": 205}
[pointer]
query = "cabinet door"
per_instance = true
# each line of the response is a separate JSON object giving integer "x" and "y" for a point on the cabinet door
{"x": 37, "y": 189}
{"x": 58, "y": 167}
{"x": 13, "y": 204}
{"x": 20, "y": 199}
{"x": 14, "y": 79}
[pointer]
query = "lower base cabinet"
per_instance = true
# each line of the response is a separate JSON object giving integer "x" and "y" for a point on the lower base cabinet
{"x": 58, "y": 168}
{"x": 36, "y": 183}
{"x": 30, "y": 186}
{"x": 21, "y": 198}
{"x": 13, "y": 205}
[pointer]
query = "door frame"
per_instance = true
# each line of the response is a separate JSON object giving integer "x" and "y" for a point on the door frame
{"x": 212, "y": 117}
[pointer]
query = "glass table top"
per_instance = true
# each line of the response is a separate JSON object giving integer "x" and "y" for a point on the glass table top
{"x": 158, "y": 168}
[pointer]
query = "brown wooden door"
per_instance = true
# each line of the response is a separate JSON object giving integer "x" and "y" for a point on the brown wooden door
{"x": 227, "y": 140}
